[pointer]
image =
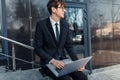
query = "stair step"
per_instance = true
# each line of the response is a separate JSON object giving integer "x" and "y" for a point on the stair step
{"x": 33, "y": 74}
{"x": 2, "y": 69}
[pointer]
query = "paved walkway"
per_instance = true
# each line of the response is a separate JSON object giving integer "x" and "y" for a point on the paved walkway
{"x": 107, "y": 73}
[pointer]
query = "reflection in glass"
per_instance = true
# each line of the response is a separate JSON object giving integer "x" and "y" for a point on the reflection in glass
{"x": 40, "y": 5}
{"x": 18, "y": 28}
{"x": 74, "y": 16}
{"x": 105, "y": 32}
{"x": 22, "y": 16}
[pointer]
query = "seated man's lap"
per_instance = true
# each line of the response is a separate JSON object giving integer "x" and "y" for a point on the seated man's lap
{"x": 78, "y": 75}
{"x": 50, "y": 74}
{"x": 74, "y": 75}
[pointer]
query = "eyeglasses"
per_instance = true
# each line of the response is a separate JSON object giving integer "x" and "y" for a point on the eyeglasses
{"x": 61, "y": 8}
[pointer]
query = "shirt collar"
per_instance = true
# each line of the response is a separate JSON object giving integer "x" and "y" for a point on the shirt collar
{"x": 53, "y": 22}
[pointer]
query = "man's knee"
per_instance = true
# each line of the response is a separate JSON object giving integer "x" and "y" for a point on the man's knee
{"x": 65, "y": 78}
{"x": 79, "y": 76}
{"x": 83, "y": 76}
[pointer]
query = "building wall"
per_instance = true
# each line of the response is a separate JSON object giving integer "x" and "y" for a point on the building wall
{"x": 22, "y": 16}
{"x": 105, "y": 32}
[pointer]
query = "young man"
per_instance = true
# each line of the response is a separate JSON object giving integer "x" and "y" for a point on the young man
{"x": 51, "y": 40}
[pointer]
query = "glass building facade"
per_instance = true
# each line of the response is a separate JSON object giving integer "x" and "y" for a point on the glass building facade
{"x": 21, "y": 17}
{"x": 105, "y": 32}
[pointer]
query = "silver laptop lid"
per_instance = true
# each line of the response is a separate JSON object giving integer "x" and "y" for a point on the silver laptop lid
{"x": 70, "y": 66}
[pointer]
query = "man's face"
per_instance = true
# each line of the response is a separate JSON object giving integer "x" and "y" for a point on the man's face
{"x": 59, "y": 11}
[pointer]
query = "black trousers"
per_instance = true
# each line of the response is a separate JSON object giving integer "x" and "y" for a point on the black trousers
{"x": 77, "y": 75}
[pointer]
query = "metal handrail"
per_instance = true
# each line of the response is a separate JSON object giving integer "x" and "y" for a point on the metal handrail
{"x": 16, "y": 42}
{"x": 13, "y": 52}
{"x": 19, "y": 59}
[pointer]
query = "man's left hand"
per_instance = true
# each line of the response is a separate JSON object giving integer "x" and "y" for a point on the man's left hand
{"x": 81, "y": 68}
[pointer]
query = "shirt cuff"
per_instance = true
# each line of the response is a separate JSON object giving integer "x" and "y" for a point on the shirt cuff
{"x": 50, "y": 60}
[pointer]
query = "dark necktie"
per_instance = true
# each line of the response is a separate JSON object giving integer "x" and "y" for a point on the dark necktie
{"x": 57, "y": 32}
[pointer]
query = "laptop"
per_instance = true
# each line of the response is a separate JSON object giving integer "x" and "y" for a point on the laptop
{"x": 70, "y": 66}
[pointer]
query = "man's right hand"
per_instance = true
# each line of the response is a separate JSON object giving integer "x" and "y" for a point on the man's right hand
{"x": 58, "y": 64}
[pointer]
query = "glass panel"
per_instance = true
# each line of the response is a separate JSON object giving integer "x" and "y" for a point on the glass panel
{"x": 22, "y": 16}
{"x": 104, "y": 23}
{"x": 42, "y": 12}
{"x": 41, "y": 9}
{"x": 74, "y": 16}
{"x": 19, "y": 28}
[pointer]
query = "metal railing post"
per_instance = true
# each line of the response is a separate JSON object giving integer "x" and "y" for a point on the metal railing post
{"x": 13, "y": 57}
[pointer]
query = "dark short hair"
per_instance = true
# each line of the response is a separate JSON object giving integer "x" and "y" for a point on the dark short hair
{"x": 54, "y": 3}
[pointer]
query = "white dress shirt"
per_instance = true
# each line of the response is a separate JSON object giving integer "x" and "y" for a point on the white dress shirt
{"x": 53, "y": 25}
{"x": 54, "y": 29}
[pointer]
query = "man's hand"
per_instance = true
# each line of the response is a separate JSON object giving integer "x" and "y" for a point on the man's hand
{"x": 57, "y": 63}
{"x": 81, "y": 68}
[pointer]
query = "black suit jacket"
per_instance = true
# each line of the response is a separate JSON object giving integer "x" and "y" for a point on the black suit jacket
{"x": 46, "y": 45}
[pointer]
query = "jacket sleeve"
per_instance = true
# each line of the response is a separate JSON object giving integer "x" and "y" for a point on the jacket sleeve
{"x": 69, "y": 46}
{"x": 39, "y": 42}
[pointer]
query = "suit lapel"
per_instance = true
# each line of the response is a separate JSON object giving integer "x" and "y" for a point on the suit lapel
{"x": 62, "y": 30}
{"x": 49, "y": 26}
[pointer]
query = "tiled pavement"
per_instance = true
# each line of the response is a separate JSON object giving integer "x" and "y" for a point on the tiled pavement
{"x": 107, "y": 73}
